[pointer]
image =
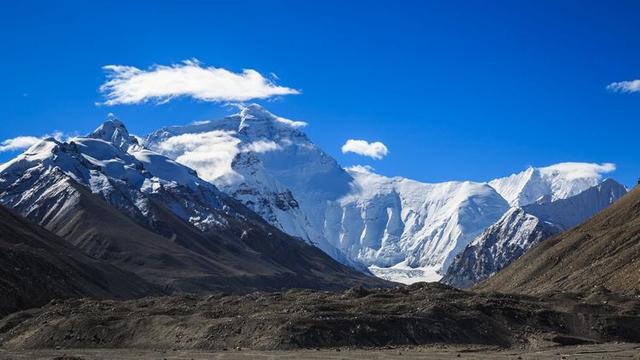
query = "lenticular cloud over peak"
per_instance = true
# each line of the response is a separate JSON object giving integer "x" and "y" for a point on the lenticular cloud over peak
{"x": 161, "y": 83}
{"x": 577, "y": 170}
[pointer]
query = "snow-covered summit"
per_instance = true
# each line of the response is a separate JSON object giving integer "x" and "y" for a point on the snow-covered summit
{"x": 114, "y": 132}
{"x": 255, "y": 113}
{"x": 128, "y": 177}
{"x": 252, "y": 123}
{"x": 265, "y": 161}
{"x": 545, "y": 184}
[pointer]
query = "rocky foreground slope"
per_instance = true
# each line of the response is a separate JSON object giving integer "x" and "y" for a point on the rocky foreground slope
{"x": 414, "y": 315}
{"x": 37, "y": 266}
{"x": 603, "y": 251}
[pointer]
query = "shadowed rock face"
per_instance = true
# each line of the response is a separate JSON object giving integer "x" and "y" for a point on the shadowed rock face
{"x": 497, "y": 247}
{"x": 603, "y": 251}
{"x": 37, "y": 266}
{"x": 417, "y": 314}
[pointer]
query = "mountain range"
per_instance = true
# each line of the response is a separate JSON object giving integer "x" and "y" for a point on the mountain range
{"x": 250, "y": 202}
{"x": 400, "y": 229}
{"x": 142, "y": 212}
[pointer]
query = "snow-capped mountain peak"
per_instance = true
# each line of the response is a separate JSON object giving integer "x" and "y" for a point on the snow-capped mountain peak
{"x": 545, "y": 184}
{"x": 129, "y": 177}
{"x": 256, "y": 113}
{"x": 265, "y": 161}
{"x": 115, "y": 132}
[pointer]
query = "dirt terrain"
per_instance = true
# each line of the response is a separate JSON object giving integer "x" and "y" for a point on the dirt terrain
{"x": 303, "y": 319}
{"x": 435, "y": 352}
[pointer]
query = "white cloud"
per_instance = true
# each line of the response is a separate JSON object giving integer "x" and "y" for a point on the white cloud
{"x": 625, "y": 86}
{"x": 293, "y": 123}
{"x": 130, "y": 85}
{"x": 578, "y": 170}
{"x": 262, "y": 146}
{"x": 375, "y": 150}
{"x": 19, "y": 143}
{"x": 25, "y": 142}
{"x": 210, "y": 153}
{"x": 365, "y": 169}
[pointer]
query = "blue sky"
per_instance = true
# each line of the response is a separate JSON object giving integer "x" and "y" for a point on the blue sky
{"x": 468, "y": 90}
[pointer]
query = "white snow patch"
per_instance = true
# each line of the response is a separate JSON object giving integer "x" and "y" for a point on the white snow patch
{"x": 405, "y": 274}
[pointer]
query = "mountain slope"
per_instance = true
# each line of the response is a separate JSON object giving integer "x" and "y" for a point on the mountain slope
{"x": 603, "y": 251}
{"x": 499, "y": 245}
{"x": 269, "y": 164}
{"x": 146, "y": 213}
{"x": 37, "y": 266}
{"x": 522, "y": 228}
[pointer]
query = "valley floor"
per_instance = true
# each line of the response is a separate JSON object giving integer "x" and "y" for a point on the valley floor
{"x": 597, "y": 351}
{"x": 413, "y": 317}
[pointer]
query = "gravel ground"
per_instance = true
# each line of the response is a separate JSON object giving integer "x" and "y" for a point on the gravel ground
{"x": 416, "y": 315}
{"x": 597, "y": 351}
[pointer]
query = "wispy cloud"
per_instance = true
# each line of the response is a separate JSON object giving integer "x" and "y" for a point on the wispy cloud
{"x": 361, "y": 169}
{"x": 292, "y": 123}
{"x": 375, "y": 150}
{"x": 18, "y": 143}
{"x": 130, "y": 85}
{"x": 579, "y": 170}
{"x": 210, "y": 153}
{"x": 261, "y": 146}
{"x": 625, "y": 86}
{"x": 24, "y": 142}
